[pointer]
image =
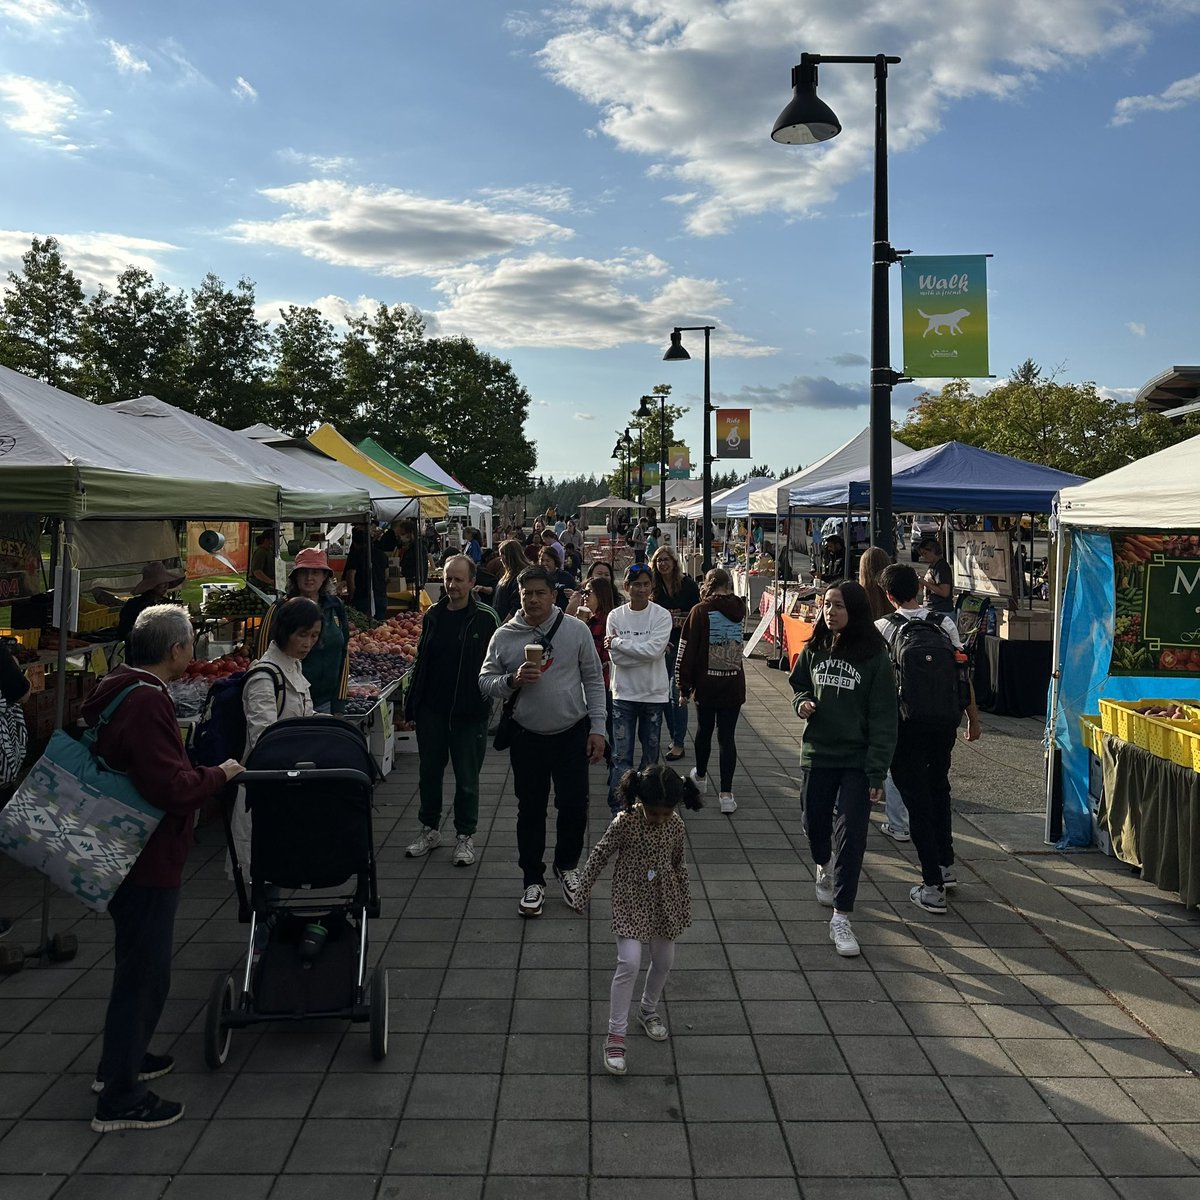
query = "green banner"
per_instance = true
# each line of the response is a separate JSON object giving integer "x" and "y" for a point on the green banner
{"x": 944, "y": 306}
{"x": 1156, "y": 626}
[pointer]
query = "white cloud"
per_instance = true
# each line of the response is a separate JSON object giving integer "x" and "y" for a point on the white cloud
{"x": 335, "y": 309}
{"x": 584, "y": 303}
{"x": 323, "y": 164}
{"x": 96, "y": 258}
{"x": 390, "y": 231}
{"x": 243, "y": 89}
{"x": 1137, "y": 328}
{"x": 547, "y": 196}
{"x": 38, "y": 110}
{"x": 44, "y": 17}
{"x": 189, "y": 75}
{"x": 583, "y": 416}
{"x": 125, "y": 60}
{"x": 1181, "y": 92}
{"x": 694, "y": 87}
{"x": 809, "y": 392}
{"x": 850, "y": 360}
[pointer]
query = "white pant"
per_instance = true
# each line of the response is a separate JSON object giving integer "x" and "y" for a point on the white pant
{"x": 629, "y": 963}
{"x": 895, "y": 811}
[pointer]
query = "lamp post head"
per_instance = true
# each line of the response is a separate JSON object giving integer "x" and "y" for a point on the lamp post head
{"x": 626, "y": 440}
{"x": 807, "y": 119}
{"x": 644, "y": 409}
{"x": 676, "y": 352}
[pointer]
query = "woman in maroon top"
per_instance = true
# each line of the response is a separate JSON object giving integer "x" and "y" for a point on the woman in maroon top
{"x": 678, "y": 594}
{"x": 596, "y": 600}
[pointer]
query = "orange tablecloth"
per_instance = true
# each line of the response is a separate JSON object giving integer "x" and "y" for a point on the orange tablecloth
{"x": 795, "y": 633}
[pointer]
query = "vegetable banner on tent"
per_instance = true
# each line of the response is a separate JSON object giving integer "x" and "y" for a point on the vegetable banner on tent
{"x": 1156, "y": 620}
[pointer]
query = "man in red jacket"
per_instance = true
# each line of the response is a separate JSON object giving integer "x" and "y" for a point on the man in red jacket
{"x": 142, "y": 740}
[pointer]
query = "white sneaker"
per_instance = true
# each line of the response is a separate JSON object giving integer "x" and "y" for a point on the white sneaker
{"x": 531, "y": 900}
{"x": 701, "y": 781}
{"x": 824, "y": 887}
{"x": 426, "y": 841}
{"x": 897, "y": 835}
{"x": 570, "y": 885}
{"x": 931, "y": 899}
{"x": 464, "y": 850}
{"x": 653, "y": 1026}
{"x": 842, "y": 936}
{"x": 728, "y": 803}
{"x": 949, "y": 878}
{"x": 613, "y": 1056}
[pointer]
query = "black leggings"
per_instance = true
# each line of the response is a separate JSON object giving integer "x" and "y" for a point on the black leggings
{"x": 725, "y": 720}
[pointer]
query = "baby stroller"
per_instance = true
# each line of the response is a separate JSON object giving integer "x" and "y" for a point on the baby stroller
{"x": 308, "y": 791}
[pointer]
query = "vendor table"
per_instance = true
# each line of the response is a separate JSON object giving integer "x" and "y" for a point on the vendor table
{"x": 751, "y": 588}
{"x": 795, "y": 633}
{"x": 1012, "y": 677}
{"x": 1151, "y": 811}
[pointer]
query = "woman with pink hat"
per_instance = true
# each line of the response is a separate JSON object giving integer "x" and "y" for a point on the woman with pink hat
{"x": 327, "y": 665}
{"x": 156, "y": 583}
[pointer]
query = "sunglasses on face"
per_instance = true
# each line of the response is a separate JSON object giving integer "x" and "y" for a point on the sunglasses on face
{"x": 637, "y": 569}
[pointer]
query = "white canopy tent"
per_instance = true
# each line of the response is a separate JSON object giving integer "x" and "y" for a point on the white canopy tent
{"x": 773, "y": 499}
{"x": 479, "y": 508}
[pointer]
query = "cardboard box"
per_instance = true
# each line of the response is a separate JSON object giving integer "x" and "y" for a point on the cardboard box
{"x": 1024, "y": 625}
{"x": 381, "y": 737}
{"x": 405, "y": 741}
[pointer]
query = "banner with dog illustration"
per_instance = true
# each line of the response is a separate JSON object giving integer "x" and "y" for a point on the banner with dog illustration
{"x": 944, "y": 307}
{"x": 1156, "y": 625}
{"x": 733, "y": 433}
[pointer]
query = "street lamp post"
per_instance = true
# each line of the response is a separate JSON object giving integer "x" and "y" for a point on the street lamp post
{"x": 662, "y": 452}
{"x": 805, "y": 121}
{"x": 627, "y": 442}
{"x": 676, "y": 353}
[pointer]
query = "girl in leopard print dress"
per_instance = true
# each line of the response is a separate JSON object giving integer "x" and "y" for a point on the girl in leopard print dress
{"x": 650, "y": 898}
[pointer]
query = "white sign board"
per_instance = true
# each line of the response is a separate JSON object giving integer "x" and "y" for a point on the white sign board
{"x": 982, "y": 562}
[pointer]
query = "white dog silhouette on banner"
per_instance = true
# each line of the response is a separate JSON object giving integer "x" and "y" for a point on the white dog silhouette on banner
{"x": 940, "y": 321}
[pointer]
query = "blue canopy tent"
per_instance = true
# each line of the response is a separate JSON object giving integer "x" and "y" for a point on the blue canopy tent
{"x": 950, "y": 478}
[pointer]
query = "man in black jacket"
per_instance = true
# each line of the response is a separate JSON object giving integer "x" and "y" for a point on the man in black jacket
{"x": 450, "y": 713}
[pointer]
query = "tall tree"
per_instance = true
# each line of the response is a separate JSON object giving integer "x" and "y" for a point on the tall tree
{"x": 383, "y": 372}
{"x": 41, "y": 316}
{"x": 229, "y": 345}
{"x": 306, "y": 385}
{"x": 1069, "y": 426}
{"x": 135, "y": 341}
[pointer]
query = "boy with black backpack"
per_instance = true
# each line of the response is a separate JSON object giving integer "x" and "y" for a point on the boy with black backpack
{"x": 934, "y": 692}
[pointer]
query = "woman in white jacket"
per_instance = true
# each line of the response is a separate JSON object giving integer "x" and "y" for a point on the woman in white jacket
{"x": 638, "y": 634}
{"x": 276, "y": 689}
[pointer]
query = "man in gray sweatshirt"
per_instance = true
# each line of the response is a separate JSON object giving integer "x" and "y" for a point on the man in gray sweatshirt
{"x": 548, "y": 661}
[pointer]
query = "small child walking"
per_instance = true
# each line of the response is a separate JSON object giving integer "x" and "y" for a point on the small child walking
{"x": 650, "y": 897}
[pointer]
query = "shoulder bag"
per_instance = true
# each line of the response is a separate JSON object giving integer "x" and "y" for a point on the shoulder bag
{"x": 504, "y": 730}
{"x": 76, "y": 820}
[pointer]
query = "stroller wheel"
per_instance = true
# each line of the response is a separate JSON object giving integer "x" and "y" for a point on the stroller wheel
{"x": 379, "y": 1013}
{"x": 217, "y": 1032}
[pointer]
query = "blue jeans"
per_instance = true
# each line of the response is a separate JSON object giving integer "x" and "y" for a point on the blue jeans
{"x": 632, "y": 719}
{"x": 895, "y": 811}
{"x": 675, "y": 713}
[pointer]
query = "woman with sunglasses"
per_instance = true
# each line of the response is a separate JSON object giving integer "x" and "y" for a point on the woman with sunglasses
{"x": 592, "y": 604}
{"x": 678, "y": 594}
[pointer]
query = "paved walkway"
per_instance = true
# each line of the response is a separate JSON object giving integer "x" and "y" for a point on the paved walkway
{"x": 1039, "y": 1041}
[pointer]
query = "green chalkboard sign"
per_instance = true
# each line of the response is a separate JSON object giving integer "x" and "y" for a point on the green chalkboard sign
{"x": 1156, "y": 625}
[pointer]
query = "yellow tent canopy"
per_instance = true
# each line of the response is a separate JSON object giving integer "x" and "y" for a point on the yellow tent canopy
{"x": 329, "y": 441}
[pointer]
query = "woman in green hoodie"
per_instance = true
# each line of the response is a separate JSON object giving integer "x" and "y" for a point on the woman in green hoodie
{"x": 845, "y": 688}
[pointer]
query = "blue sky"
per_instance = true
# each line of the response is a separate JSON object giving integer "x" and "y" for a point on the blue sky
{"x": 565, "y": 183}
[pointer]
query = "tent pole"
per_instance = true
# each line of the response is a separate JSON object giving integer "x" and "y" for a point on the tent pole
{"x": 1055, "y": 675}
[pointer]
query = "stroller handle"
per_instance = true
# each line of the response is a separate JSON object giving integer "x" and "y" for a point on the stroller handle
{"x": 305, "y": 773}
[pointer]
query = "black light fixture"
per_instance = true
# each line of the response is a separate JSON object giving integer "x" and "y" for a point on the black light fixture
{"x": 627, "y": 442}
{"x": 677, "y": 353}
{"x": 805, "y": 121}
{"x": 662, "y": 448}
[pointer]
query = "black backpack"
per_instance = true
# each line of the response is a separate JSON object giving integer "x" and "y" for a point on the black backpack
{"x": 932, "y": 682}
{"x": 221, "y": 731}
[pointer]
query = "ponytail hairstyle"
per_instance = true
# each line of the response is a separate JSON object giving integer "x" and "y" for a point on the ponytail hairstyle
{"x": 716, "y": 580}
{"x": 657, "y": 787}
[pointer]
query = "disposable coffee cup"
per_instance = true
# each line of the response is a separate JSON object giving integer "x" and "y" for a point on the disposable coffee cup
{"x": 533, "y": 655}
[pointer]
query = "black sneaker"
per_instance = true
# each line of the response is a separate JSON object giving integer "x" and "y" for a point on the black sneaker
{"x": 154, "y": 1066}
{"x": 150, "y": 1112}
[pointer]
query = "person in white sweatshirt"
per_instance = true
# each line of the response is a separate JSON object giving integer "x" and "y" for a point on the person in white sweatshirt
{"x": 638, "y": 634}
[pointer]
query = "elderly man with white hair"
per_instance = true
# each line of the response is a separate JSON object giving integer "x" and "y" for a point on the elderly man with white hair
{"x": 139, "y": 736}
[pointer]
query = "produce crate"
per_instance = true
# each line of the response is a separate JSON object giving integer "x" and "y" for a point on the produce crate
{"x": 29, "y": 638}
{"x": 1127, "y": 719}
{"x": 1091, "y": 729}
{"x": 97, "y": 618}
{"x": 1181, "y": 742}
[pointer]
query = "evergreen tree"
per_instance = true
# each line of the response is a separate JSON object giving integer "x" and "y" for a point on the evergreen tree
{"x": 41, "y": 317}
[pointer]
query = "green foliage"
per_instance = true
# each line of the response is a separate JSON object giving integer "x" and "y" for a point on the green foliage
{"x": 41, "y": 317}
{"x": 209, "y": 353}
{"x": 1069, "y": 426}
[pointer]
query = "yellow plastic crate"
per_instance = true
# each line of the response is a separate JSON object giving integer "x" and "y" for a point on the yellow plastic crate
{"x": 1127, "y": 719}
{"x": 1092, "y": 731}
{"x": 97, "y": 618}
{"x": 29, "y": 638}
{"x": 1179, "y": 741}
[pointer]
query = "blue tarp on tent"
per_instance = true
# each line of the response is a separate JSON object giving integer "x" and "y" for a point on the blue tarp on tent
{"x": 948, "y": 478}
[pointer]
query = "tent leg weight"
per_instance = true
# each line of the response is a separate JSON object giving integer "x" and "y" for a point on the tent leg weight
{"x": 12, "y": 959}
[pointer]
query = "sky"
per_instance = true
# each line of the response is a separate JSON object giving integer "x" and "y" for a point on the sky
{"x": 565, "y": 183}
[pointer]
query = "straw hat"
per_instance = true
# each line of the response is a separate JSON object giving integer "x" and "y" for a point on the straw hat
{"x": 312, "y": 559}
{"x": 154, "y": 574}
